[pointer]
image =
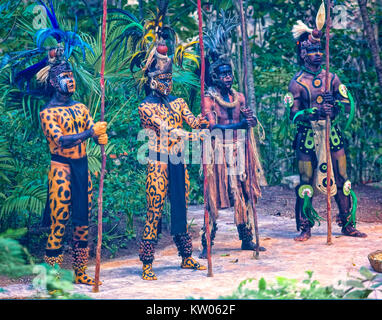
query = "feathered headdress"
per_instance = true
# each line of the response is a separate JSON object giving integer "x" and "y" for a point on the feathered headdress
{"x": 301, "y": 30}
{"x": 306, "y": 36}
{"x": 216, "y": 36}
{"x": 67, "y": 42}
{"x": 154, "y": 44}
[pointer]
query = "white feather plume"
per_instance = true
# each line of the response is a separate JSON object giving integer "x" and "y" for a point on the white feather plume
{"x": 299, "y": 28}
{"x": 321, "y": 16}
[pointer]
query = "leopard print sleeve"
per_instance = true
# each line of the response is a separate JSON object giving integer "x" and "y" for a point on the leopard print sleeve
{"x": 188, "y": 116}
{"x": 88, "y": 119}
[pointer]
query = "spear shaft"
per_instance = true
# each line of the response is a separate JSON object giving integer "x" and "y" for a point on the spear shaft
{"x": 100, "y": 193}
{"x": 205, "y": 184}
{"x": 328, "y": 129}
{"x": 247, "y": 140}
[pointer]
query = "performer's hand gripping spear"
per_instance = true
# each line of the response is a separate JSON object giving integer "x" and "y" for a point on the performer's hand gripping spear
{"x": 102, "y": 82}
{"x": 247, "y": 139}
{"x": 202, "y": 73}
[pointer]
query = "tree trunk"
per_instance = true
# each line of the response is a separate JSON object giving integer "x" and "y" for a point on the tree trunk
{"x": 250, "y": 80}
{"x": 370, "y": 37}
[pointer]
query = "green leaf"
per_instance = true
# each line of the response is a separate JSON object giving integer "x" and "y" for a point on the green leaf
{"x": 262, "y": 284}
{"x": 366, "y": 273}
{"x": 14, "y": 233}
{"x": 358, "y": 294}
{"x": 355, "y": 284}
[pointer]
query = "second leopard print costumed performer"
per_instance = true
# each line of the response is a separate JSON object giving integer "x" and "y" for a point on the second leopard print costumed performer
{"x": 163, "y": 116}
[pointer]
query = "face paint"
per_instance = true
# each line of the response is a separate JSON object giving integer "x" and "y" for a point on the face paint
{"x": 66, "y": 83}
{"x": 225, "y": 77}
{"x": 163, "y": 83}
{"x": 314, "y": 55}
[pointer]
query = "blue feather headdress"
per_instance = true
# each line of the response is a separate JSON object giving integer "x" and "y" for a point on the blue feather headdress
{"x": 67, "y": 42}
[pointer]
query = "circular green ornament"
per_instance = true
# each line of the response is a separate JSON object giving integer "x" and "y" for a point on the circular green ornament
{"x": 305, "y": 189}
{"x": 288, "y": 100}
{"x": 346, "y": 188}
{"x": 343, "y": 91}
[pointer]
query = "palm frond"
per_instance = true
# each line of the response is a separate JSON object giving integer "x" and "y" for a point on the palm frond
{"x": 94, "y": 156}
{"x": 30, "y": 197}
{"x": 6, "y": 161}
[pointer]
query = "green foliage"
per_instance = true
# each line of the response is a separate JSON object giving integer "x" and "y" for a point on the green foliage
{"x": 54, "y": 283}
{"x": 15, "y": 260}
{"x": 29, "y": 197}
{"x": 361, "y": 287}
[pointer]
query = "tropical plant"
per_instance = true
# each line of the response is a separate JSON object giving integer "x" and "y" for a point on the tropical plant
{"x": 15, "y": 261}
{"x": 361, "y": 287}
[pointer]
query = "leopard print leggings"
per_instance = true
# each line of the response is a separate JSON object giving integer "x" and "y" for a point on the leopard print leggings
{"x": 60, "y": 195}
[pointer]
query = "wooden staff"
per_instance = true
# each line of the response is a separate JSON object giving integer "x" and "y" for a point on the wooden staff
{"x": 327, "y": 142}
{"x": 247, "y": 137}
{"x": 102, "y": 83}
{"x": 205, "y": 184}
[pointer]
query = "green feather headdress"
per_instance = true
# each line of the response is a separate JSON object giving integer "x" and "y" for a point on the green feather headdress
{"x": 144, "y": 44}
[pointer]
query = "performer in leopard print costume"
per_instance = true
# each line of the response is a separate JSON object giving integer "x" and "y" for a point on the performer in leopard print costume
{"x": 67, "y": 124}
{"x": 164, "y": 115}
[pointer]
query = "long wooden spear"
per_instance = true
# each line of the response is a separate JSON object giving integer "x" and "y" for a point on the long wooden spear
{"x": 247, "y": 138}
{"x": 102, "y": 83}
{"x": 205, "y": 184}
{"x": 327, "y": 142}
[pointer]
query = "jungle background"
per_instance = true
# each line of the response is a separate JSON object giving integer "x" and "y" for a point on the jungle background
{"x": 24, "y": 154}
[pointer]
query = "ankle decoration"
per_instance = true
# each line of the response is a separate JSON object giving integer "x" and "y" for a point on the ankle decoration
{"x": 306, "y": 192}
{"x": 52, "y": 261}
{"x": 184, "y": 244}
{"x": 212, "y": 235}
{"x": 245, "y": 233}
{"x": 350, "y": 217}
{"x": 146, "y": 251}
{"x": 80, "y": 256}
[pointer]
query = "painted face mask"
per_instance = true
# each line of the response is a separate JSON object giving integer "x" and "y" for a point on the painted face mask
{"x": 163, "y": 83}
{"x": 65, "y": 83}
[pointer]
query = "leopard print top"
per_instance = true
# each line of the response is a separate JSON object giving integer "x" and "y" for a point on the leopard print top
{"x": 66, "y": 120}
{"x": 157, "y": 117}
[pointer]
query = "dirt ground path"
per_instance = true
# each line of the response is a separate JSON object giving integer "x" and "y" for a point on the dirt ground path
{"x": 284, "y": 257}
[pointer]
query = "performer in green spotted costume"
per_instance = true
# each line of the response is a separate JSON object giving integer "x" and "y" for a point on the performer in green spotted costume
{"x": 308, "y": 106}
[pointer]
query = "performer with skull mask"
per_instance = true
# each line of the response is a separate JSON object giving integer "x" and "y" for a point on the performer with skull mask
{"x": 163, "y": 116}
{"x": 309, "y": 105}
{"x": 227, "y": 112}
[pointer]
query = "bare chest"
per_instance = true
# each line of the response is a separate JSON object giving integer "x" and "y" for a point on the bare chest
{"x": 313, "y": 89}
{"x": 227, "y": 115}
